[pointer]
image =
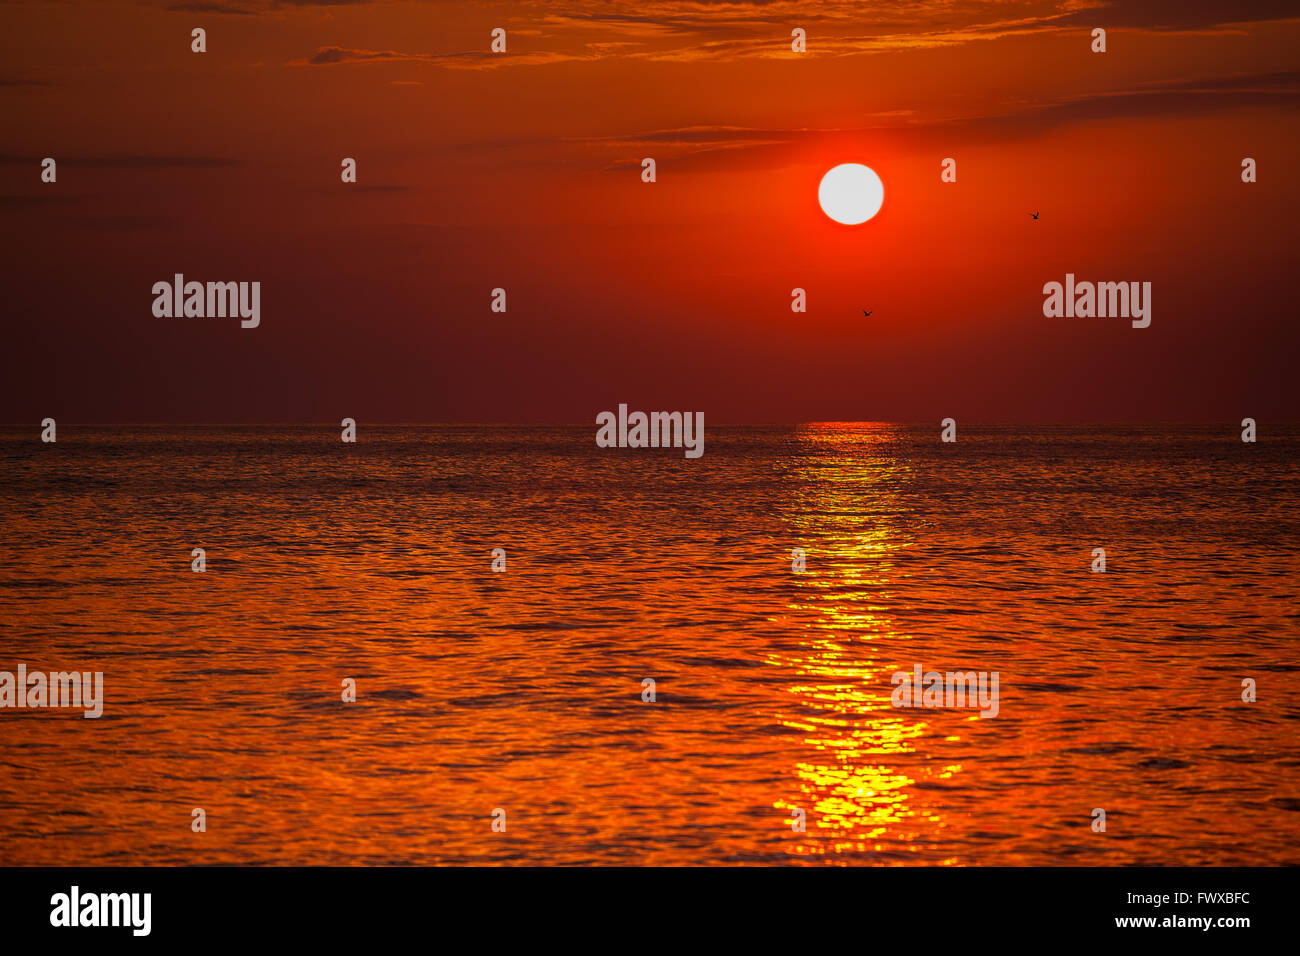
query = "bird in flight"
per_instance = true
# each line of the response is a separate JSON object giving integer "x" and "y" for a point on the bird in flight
{"x": 1033, "y": 215}
{"x": 866, "y": 313}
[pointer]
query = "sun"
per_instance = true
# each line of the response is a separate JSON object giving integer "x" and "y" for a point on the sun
{"x": 851, "y": 193}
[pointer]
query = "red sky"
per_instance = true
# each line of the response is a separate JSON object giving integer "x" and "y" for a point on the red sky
{"x": 522, "y": 171}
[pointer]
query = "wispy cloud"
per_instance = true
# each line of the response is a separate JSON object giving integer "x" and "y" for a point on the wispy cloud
{"x": 475, "y": 60}
{"x": 124, "y": 162}
{"x": 686, "y": 30}
{"x": 1178, "y": 14}
{"x": 199, "y": 6}
{"x": 251, "y": 7}
{"x": 699, "y": 146}
{"x": 37, "y": 201}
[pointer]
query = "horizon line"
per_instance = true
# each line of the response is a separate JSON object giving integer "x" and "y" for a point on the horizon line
{"x": 571, "y": 424}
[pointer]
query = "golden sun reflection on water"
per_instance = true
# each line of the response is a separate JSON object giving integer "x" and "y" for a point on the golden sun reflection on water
{"x": 856, "y": 799}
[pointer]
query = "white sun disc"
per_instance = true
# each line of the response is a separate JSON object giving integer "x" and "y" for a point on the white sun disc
{"x": 851, "y": 193}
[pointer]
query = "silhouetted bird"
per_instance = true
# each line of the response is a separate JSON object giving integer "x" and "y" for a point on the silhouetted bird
{"x": 866, "y": 313}
{"x": 1033, "y": 215}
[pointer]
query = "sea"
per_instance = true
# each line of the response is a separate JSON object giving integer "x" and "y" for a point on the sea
{"x": 565, "y": 654}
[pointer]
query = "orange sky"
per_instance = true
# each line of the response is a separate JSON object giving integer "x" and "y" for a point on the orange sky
{"x": 522, "y": 171}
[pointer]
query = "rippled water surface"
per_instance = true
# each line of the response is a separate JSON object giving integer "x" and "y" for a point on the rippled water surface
{"x": 523, "y": 690}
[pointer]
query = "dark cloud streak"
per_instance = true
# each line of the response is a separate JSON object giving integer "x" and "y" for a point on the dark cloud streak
{"x": 124, "y": 162}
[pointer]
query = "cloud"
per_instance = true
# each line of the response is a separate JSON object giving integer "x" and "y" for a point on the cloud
{"x": 1175, "y": 98}
{"x": 211, "y": 7}
{"x": 702, "y": 147}
{"x": 333, "y": 54}
{"x": 129, "y": 223}
{"x": 680, "y": 31}
{"x": 471, "y": 60}
{"x": 36, "y": 201}
{"x": 918, "y": 16}
{"x": 251, "y": 7}
{"x": 123, "y": 162}
{"x": 677, "y": 30}
{"x": 1179, "y": 14}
